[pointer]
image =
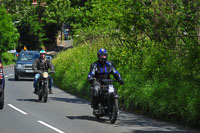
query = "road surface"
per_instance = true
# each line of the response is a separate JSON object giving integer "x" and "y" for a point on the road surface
{"x": 65, "y": 113}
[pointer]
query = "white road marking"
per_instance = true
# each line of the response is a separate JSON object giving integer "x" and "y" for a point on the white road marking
{"x": 10, "y": 74}
{"x": 47, "y": 125}
{"x": 19, "y": 110}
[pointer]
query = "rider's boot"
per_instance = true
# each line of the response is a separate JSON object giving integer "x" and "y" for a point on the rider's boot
{"x": 94, "y": 102}
{"x": 50, "y": 91}
{"x": 94, "y": 105}
{"x": 35, "y": 91}
{"x": 96, "y": 111}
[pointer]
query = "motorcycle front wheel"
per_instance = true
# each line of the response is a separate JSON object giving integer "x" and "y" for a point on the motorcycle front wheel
{"x": 45, "y": 94}
{"x": 114, "y": 111}
{"x": 2, "y": 100}
{"x": 40, "y": 97}
{"x": 97, "y": 115}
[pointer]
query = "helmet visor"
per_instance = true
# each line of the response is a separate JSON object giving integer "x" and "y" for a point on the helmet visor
{"x": 103, "y": 56}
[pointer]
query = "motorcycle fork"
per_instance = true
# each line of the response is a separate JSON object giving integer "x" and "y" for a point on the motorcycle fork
{"x": 110, "y": 102}
{"x": 45, "y": 83}
{"x": 101, "y": 104}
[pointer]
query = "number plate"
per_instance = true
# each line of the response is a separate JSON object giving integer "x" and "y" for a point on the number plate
{"x": 111, "y": 89}
{"x": 29, "y": 71}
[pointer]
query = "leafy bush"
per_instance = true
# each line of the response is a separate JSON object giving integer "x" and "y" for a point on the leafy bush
{"x": 7, "y": 58}
{"x": 8, "y": 33}
{"x": 156, "y": 78}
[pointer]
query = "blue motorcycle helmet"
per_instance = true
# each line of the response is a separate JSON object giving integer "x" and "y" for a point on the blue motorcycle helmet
{"x": 102, "y": 55}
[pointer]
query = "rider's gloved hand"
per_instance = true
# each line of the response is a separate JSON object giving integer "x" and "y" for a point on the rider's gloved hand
{"x": 37, "y": 71}
{"x": 121, "y": 81}
{"x": 91, "y": 80}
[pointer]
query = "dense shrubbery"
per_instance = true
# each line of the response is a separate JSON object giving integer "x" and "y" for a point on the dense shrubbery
{"x": 8, "y": 33}
{"x": 8, "y": 36}
{"x": 38, "y": 25}
{"x": 157, "y": 82}
{"x": 160, "y": 68}
{"x": 7, "y": 58}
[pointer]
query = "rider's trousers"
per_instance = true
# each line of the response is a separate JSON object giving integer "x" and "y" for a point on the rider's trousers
{"x": 95, "y": 94}
{"x": 36, "y": 78}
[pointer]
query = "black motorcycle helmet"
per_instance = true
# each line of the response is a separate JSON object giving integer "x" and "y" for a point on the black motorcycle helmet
{"x": 102, "y": 55}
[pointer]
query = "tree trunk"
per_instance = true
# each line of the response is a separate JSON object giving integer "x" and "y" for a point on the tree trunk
{"x": 198, "y": 26}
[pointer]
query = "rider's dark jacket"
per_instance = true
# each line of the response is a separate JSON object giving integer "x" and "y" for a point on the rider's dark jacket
{"x": 102, "y": 71}
{"x": 42, "y": 65}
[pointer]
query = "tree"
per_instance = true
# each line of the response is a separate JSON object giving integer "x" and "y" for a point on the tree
{"x": 26, "y": 20}
{"x": 8, "y": 33}
{"x": 38, "y": 25}
{"x": 54, "y": 15}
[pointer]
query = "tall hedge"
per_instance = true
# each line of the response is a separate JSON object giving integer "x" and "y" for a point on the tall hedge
{"x": 158, "y": 82}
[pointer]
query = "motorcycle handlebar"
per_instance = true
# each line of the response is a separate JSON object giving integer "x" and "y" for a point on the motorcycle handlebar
{"x": 105, "y": 81}
{"x": 108, "y": 80}
{"x": 38, "y": 71}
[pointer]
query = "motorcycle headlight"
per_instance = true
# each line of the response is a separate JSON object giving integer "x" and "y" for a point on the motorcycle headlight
{"x": 111, "y": 89}
{"x": 45, "y": 74}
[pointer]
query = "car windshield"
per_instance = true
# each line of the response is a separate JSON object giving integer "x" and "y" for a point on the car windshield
{"x": 48, "y": 57}
{"x": 26, "y": 57}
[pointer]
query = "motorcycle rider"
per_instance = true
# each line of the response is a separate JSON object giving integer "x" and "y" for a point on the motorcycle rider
{"x": 42, "y": 64}
{"x": 101, "y": 69}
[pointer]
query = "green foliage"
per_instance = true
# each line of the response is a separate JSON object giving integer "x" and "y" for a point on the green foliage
{"x": 56, "y": 12}
{"x": 8, "y": 33}
{"x": 157, "y": 81}
{"x": 164, "y": 72}
{"x": 53, "y": 16}
{"x": 27, "y": 20}
{"x": 7, "y": 58}
{"x": 96, "y": 19}
{"x": 166, "y": 22}
{"x": 31, "y": 32}
{"x": 38, "y": 25}
{"x": 71, "y": 74}
{"x": 161, "y": 65}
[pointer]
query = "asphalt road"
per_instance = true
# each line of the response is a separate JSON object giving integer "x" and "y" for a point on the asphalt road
{"x": 65, "y": 113}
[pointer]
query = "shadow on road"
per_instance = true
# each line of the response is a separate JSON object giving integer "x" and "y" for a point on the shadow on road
{"x": 148, "y": 125}
{"x": 85, "y": 117}
{"x": 22, "y": 79}
{"x": 137, "y": 124}
{"x": 69, "y": 100}
{"x": 28, "y": 100}
{"x": 139, "y": 131}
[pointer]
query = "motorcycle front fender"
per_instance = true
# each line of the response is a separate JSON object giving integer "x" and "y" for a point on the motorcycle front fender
{"x": 116, "y": 96}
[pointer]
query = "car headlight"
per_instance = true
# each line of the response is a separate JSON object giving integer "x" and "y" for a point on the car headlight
{"x": 19, "y": 66}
